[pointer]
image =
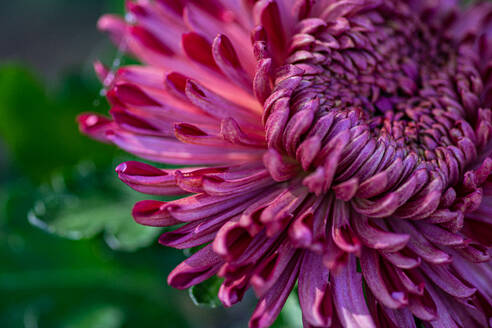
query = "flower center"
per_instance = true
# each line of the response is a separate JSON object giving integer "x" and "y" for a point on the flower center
{"x": 372, "y": 87}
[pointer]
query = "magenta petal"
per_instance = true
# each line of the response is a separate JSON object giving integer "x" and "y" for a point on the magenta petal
{"x": 423, "y": 307}
{"x": 480, "y": 232}
{"x": 346, "y": 190}
{"x": 270, "y": 269}
{"x": 150, "y": 212}
{"x": 444, "y": 318}
{"x": 202, "y": 205}
{"x": 231, "y": 241}
{"x": 308, "y": 150}
{"x": 256, "y": 181}
{"x": 217, "y": 106}
{"x": 130, "y": 121}
{"x": 334, "y": 258}
{"x": 232, "y": 291}
{"x": 102, "y": 73}
{"x": 349, "y": 297}
{"x": 315, "y": 292}
{"x": 475, "y": 253}
{"x": 150, "y": 41}
{"x": 231, "y": 131}
{"x": 341, "y": 232}
{"x": 374, "y": 237}
{"x": 175, "y": 83}
{"x": 250, "y": 219}
{"x": 419, "y": 244}
{"x": 401, "y": 318}
{"x": 279, "y": 213}
{"x": 260, "y": 246}
{"x": 424, "y": 205}
{"x": 280, "y": 168}
{"x": 304, "y": 229}
{"x": 275, "y": 125}
{"x": 400, "y": 260}
{"x": 148, "y": 179}
{"x": 172, "y": 151}
{"x": 194, "y": 234}
{"x": 115, "y": 26}
{"x": 270, "y": 305}
{"x": 443, "y": 277}
{"x": 197, "y": 268}
{"x": 380, "y": 182}
{"x": 411, "y": 280}
{"x": 439, "y": 235}
{"x": 370, "y": 264}
{"x": 267, "y": 13}
{"x": 198, "y": 49}
{"x": 299, "y": 124}
{"x": 262, "y": 82}
{"x": 131, "y": 94}
{"x": 388, "y": 204}
{"x": 192, "y": 134}
{"x": 227, "y": 60}
{"x": 184, "y": 239}
{"x": 95, "y": 126}
{"x": 334, "y": 151}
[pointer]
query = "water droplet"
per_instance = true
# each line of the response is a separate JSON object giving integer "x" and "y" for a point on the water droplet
{"x": 130, "y": 18}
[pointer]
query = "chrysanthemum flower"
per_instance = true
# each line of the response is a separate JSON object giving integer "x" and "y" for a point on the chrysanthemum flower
{"x": 340, "y": 144}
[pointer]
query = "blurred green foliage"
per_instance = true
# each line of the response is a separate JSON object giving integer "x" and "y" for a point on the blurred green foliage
{"x": 40, "y": 130}
{"x": 205, "y": 294}
{"x": 86, "y": 203}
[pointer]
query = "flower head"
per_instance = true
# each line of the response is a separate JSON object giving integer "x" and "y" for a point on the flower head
{"x": 318, "y": 136}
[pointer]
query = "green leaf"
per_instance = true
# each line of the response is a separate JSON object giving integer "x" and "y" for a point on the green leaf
{"x": 81, "y": 221}
{"x": 205, "y": 294}
{"x": 291, "y": 314}
{"x": 87, "y": 203}
{"x": 126, "y": 235}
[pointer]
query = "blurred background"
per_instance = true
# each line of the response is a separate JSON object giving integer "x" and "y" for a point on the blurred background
{"x": 70, "y": 253}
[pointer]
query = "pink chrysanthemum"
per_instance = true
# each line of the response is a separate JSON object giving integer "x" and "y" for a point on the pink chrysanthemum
{"x": 328, "y": 135}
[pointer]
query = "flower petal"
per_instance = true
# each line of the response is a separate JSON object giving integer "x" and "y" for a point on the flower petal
{"x": 315, "y": 292}
{"x": 195, "y": 269}
{"x": 349, "y": 298}
{"x": 271, "y": 303}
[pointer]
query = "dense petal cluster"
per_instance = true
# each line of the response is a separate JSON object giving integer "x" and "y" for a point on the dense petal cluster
{"x": 340, "y": 144}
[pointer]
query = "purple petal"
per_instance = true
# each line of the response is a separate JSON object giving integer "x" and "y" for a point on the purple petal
{"x": 371, "y": 269}
{"x": 314, "y": 291}
{"x": 195, "y": 269}
{"x": 349, "y": 298}
{"x": 270, "y": 305}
